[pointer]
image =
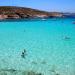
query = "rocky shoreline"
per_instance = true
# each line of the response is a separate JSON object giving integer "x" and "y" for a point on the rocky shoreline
{"x": 12, "y": 12}
{"x": 9, "y": 12}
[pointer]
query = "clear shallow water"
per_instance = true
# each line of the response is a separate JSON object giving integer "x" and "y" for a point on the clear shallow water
{"x": 47, "y": 49}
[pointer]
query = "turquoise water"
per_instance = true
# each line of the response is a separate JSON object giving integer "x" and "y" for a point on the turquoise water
{"x": 49, "y": 45}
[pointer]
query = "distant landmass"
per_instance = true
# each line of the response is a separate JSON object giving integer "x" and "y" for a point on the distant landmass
{"x": 13, "y": 12}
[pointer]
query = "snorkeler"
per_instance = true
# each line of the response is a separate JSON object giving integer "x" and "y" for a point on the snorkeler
{"x": 67, "y": 38}
{"x": 23, "y": 55}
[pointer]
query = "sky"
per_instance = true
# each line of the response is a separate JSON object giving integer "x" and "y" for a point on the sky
{"x": 47, "y": 5}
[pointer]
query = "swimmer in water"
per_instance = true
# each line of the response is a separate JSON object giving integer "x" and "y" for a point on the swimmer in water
{"x": 66, "y": 38}
{"x": 23, "y": 55}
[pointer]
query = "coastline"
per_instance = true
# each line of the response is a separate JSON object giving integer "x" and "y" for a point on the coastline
{"x": 8, "y": 12}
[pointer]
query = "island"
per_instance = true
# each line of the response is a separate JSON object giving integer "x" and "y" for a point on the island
{"x": 13, "y": 12}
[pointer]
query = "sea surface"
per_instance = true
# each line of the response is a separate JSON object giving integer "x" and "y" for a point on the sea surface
{"x": 43, "y": 46}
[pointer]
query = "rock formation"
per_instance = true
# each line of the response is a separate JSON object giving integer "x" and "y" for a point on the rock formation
{"x": 9, "y": 12}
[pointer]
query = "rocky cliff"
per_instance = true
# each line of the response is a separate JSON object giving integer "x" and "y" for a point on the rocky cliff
{"x": 9, "y": 12}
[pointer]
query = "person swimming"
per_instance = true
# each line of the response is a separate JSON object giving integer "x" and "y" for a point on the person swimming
{"x": 67, "y": 38}
{"x": 23, "y": 54}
